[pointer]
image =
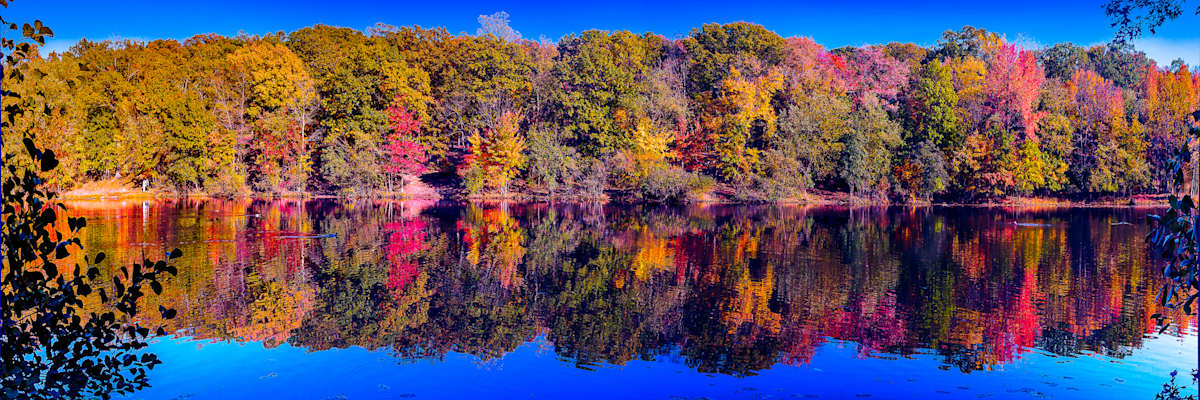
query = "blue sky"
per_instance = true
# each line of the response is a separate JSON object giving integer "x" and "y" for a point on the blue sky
{"x": 832, "y": 23}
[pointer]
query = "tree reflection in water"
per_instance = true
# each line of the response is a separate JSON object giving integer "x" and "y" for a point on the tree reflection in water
{"x": 730, "y": 289}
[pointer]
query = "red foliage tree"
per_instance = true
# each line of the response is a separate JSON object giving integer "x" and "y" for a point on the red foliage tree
{"x": 279, "y": 151}
{"x": 405, "y": 155}
{"x": 1011, "y": 89}
{"x": 873, "y": 77}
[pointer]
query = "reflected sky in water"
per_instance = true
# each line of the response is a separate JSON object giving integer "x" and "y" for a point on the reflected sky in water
{"x": 380, "y": 299}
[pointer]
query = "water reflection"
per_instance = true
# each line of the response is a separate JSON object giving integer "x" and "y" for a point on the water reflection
{"x": 728, "y": 289}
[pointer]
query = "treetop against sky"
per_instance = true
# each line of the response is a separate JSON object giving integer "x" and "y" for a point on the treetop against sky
{"x": 1033, "y": 24}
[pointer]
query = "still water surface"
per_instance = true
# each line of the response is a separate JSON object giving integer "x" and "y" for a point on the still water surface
{"x": 377, "y": 299}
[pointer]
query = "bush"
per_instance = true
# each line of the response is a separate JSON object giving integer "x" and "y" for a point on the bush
{"x": 672, "y": 184}
{"x": 783, "y": 175}
{"x": 553, "y": 166}
{"x": 474, "y": 179}
{"x": 592, "y": 179}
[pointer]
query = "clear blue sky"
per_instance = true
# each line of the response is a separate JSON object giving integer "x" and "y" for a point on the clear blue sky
{"x": 831, "y": 23}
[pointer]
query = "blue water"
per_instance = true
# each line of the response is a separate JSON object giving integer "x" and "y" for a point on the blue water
{"x": 228, "y": 370}
{"x": 471, "y": 302}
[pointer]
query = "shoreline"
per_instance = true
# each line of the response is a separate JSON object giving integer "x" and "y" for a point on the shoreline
{"x": 425, "y": 189}
{"x": 1137, "y": 201}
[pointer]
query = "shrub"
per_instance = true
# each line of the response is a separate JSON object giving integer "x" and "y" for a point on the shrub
{"x": 593, "y": 178}
{"x": 672, "y": 184}
{"x": 552, "y": 166}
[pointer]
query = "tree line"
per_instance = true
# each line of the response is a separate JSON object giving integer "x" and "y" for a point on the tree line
{"x": 730, "y": 107}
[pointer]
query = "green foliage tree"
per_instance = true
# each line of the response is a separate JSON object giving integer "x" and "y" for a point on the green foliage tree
{"x": 1120, "y": 63}
{"x": 1062, "y": 60}
{"x": 936, "y": 115}
{"x": 806, "y": 147}
{"x": 866, "y": 157}
{"x": 714, "y": 50}
{"x": 357, "y": 77}
{"x": 553, "y": 166}
{"x": 603, "y": 75}
{"x": 968, "y": 41}
{"x": 481, "y": 78}
{"x": 1032, "y": 168}
{"x": 921, "y": 171}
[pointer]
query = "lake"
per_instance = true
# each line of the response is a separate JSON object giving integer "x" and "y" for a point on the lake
{"x": 327, "y": 299}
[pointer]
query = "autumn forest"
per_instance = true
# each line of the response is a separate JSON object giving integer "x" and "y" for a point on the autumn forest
{"x": 731, "y": 111}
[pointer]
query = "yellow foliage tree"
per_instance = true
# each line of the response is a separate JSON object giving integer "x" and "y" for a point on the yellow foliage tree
{"x": 497, "y": 155}
{"x": 651, "y": 148}
{"x": 745, "y": 117}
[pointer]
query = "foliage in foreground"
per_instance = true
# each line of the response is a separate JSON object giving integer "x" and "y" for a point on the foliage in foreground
{"x": 1173, "y": 391}
{"x": 1176, "y": 234}
{"x": 65, "y": 332}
